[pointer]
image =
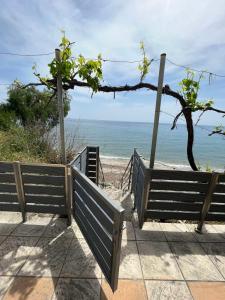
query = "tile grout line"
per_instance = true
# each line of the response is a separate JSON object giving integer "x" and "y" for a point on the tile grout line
{"x": 213, "y": 262}
{"x": 141, "y": 269}
{"x": 180, "y": 269}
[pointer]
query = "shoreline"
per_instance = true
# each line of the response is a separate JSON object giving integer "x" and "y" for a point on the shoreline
{"x": 123, "y": 161}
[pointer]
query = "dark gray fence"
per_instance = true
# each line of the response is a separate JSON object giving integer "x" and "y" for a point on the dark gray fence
{"x": 39, "y": 188}
{"x": 139, "y": 185}
{"x": 80, "y": 161}
{"x": 87, "y": 161}
{"x": 177, "y": 195}
{"x": 100, "y": 221}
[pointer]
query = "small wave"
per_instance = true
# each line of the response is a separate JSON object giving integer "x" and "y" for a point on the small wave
{"x": 115, "y": 157}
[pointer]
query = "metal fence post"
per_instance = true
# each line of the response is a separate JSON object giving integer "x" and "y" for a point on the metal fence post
{"x": 157, "y": 109}
{"x": 61, "y": 109}
{"x": 207, "y": 201}
{"x": 19, "y": 189}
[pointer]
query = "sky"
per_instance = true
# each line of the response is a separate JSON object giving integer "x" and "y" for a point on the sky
{"x": 190, "y": 32}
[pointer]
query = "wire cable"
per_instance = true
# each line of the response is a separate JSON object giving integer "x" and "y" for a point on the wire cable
{"x": 21, "y": 54}
{"x": 193, "y": 69}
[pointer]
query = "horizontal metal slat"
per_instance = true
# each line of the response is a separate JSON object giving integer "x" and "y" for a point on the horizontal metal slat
{"x": 220, "y": 188}
{"x": 44, "y": 190}
{"x": 6, "y": 167}
{"x": 176, "y": 196}
{"x": 43, "y": 169}
{"x": 8, "y": 198}
{"x": 7, "y": 188}
{"x": 97, "y": 254}
{"x": 215, "y": 216}
{"x": 94, "y": 236}
{"x": 220, "y": 198}
{"x": 7, "y": 178}
{"x": 171, "y": 215}
{"x": 92, "y": 204}
{"x": 45, "y": 200}
{"x": 9, "y": 207}
{"x": 178, "y": 186}
{"x": 44, "y": 179}
{"x": 105, "y": 238}
{"x": 222, "y": 178}
{"x": 180, "y": 175}
{"x": 217, "y": 208}
{"x": 46, "y": 209}
{"x": 174, "y": 206}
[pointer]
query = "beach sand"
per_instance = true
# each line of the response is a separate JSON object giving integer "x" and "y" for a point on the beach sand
{"x": 113, "y": 169}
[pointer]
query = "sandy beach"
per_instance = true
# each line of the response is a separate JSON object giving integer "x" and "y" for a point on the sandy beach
{"x": 113, "y": 169}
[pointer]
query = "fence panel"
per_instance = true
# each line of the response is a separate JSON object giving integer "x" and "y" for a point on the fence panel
{"x": 217, "y": 207}
{"x": 8, "y": 191}
{"x": 44, "y": 188}
{"x": 100, "y": 221}
{"x": 177, "y": 194}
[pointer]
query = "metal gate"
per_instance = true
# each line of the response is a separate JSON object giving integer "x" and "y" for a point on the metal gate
{"x": 100, "y": 220}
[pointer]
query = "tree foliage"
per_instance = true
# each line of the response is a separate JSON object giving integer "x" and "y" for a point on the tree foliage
{"x": 31, "y": 107}
{"x": 189, "y": 88}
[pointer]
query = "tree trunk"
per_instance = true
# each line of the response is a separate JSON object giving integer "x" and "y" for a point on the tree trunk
{"x": 190, "y": 141}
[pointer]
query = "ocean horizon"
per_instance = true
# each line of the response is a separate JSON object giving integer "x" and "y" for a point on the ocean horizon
{"x": 117, "y": 139}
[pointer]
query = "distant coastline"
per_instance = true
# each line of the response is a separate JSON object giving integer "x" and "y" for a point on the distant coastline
{"x": 117, "y": 140}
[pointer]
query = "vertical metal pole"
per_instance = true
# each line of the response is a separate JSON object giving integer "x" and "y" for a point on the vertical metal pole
{"x": 157, "y": 109}
{"x": 61, "y": 110}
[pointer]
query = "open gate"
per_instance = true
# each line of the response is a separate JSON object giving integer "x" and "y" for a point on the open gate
{"x": 100, "y": 220}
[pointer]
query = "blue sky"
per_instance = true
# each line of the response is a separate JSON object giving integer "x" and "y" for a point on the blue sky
{"x": 190, "y": 32}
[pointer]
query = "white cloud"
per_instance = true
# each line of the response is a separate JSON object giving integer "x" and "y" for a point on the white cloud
{"x": 190, "y": 32}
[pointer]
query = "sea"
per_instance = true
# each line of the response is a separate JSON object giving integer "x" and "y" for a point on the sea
{"x": 118, "y": 140}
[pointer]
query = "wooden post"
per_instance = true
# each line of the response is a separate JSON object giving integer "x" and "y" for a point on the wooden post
{"x": 157, "y": 110}
{"x": 207, "y": 201}
{"x": 68, "y": 193}
{"x": 19, "y": 189}
{"x": 61, "y": 110}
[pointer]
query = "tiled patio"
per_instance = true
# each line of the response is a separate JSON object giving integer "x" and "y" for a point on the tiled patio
{"x": 41, "y": 259}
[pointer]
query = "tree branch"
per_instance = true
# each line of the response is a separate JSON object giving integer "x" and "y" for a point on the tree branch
{"x": 220, "y": 131}
{"x": 176, "y": 119}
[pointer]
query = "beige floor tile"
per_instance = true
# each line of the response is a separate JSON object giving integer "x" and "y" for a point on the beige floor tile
{"x": 220, "y": 228}
{"x": 194, "y": 263}
{"x": 58, "y": 227}
{"x": 216, "y": 251}
{"x": 80, "y": 262}
{"x": 80, "y": 289}
{"x": 33, "y": 227}
{"x": 5, "y": 282}
{"x": 157, "y": 261}
{"x": 177, "y": 232}
{"x": 7, "y": 228}
{"x": 31, "y": 288}
{"x": 209, "y": 234}
{"x": 128, "y": 232}
{"x": 47, "y": 258}
{"x": 167, "y": 290}
{"x": 14, "y": 252}
{"x": 127, "y": 289}
{"x": 130, "y": 267}
{"x": 10, "y": 217}
{"x": 2, "y": 238}
{"x": 151, "y": 231}
{"x": 207, "y": 290}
